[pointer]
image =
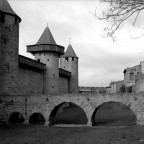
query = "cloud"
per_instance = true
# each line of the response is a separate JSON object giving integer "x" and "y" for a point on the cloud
{"x": 100, "y": 60}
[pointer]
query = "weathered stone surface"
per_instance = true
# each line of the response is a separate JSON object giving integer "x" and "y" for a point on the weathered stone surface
{"x": 44, "y": 104}
{"x": 30, "y": 82}
{"x": 9, "y": 41}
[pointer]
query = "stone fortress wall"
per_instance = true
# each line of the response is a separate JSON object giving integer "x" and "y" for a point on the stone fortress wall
{"x": 21, "y": 75}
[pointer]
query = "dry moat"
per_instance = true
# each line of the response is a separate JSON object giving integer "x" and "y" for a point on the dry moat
{"x": 113, "y": 123}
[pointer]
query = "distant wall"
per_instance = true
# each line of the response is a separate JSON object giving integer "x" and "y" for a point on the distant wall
{"x": 113, "y": 87}
{"x": 129, "y": 77}
{"x": 139, "y": 85}
{"x": 63, "y": 84}
{"x": 118, "y": 86}
{"x": 30, "y": 82}
{"x": 142, "y": 67}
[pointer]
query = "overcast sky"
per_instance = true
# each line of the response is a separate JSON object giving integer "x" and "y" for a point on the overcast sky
{"x": 100, "y": 59}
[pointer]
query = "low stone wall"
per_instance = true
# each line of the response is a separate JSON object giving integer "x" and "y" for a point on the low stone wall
{"x": 44, "y": 104}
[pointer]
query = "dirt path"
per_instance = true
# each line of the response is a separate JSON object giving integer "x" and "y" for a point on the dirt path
{"x": 35, "y": 134}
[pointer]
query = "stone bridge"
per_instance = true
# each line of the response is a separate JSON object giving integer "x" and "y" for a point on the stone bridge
{"x": 45, "y": 104}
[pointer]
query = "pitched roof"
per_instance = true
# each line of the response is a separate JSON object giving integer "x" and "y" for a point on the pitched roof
{"x": 46, "y": 37}
{"x": 69, "y": 52}
{"x": 5, "y": 7}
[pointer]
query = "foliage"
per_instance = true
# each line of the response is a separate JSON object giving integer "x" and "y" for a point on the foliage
{"x": 118, "y": 11}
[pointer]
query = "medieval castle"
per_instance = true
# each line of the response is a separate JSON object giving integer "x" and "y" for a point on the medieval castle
{"x": 32, "y": 91}
{"x": 52, "y": 71}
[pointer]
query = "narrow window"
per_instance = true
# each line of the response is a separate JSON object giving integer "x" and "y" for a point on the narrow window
{"x": 2, "y": 18}
{"x": 72, "y": 58}
{"x": 5, "y": 41}
{"x": 15, "y": 21}
{"x": 66, "y": 58}
{"x": 131, "y": 76}
{"x": 38, "y": 60}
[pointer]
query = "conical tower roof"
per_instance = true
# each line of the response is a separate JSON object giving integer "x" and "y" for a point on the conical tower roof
{"x": 5, "y": 7}
{"x": 46, "y": 43}
{"x": 69, "y": 52}
{"x": 46, "y": 37}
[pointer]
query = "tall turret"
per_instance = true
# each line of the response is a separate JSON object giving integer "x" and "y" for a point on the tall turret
{"x": 69, "y": 62}
{"x": 48, "y": 52}
{"x": 9, "y": 47}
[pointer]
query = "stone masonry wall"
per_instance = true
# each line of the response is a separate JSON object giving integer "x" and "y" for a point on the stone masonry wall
{"x": 139, "y": 84}
{"x": 44, "y": 104}
{"x": 63, "y": 84}
{"x": 30, "y": 82}
{"x": 9, "y": 41}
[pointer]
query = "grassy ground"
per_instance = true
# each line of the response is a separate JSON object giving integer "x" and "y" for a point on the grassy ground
{"x": 36, "y": 134}
{"x": 114, "y": 125}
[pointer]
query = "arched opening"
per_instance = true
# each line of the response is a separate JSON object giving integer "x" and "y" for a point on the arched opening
{"x": 16, "y": 117}
{"x": 67, "y": 113}
{"x": 37, "y": 118}
{"x": 113, "y": 113}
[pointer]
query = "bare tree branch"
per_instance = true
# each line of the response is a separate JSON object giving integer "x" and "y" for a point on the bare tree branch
{"x": 119, "y": 11}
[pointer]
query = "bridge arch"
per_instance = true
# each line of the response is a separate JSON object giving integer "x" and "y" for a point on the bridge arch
{"x": 37, "y": 118}
{"x": 16, "y": 117}
{"x": 113, "y": 111}
{"x": 67, "y": 113}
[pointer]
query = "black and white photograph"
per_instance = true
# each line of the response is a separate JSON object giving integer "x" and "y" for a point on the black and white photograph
{"x": 71, "y": 71}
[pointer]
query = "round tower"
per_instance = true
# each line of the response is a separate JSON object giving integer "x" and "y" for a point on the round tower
{"x": 9, "y": 47}
{"x": 69, "y": 62}
{"x": 48, "y": 52}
